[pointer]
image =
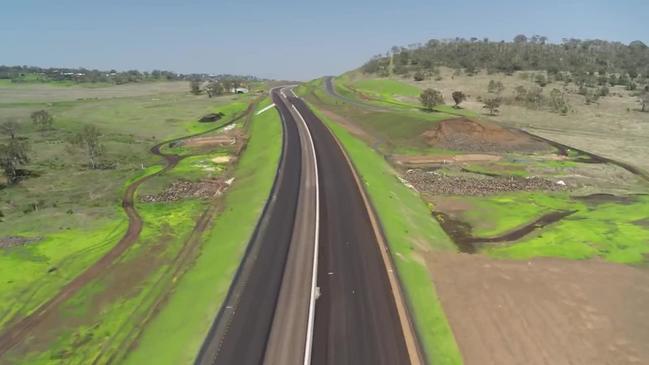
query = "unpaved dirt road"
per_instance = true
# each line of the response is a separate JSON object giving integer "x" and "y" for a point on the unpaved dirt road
{"x": 544, "y": 311}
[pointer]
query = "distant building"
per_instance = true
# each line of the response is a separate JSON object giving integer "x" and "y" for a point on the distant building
{"x": 239, "y": 90}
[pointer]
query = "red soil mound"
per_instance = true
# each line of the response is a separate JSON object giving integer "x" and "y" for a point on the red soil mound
{"x": 469, "y": 135}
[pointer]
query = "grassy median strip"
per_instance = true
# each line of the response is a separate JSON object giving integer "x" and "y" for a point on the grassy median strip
{"x": 409, "y": 229}
{"x": 176, "y": 334}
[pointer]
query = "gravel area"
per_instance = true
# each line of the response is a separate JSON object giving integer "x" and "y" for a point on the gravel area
{"x": 186, "y": 189}
{"x": 440, "y": 183}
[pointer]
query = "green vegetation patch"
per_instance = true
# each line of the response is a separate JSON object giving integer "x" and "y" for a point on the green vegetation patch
{"x": 607, "y": 229}
{"x": 409, "y": 229}
{"x": 33, "y": 272}
{"x": 107, "y": 311}
{"x": 175, "y": 334}
{"x": 387, "y": 87}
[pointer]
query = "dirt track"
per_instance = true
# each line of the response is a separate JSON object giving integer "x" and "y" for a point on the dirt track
{"x": 544, "y": 311}
{"x": 18, "y": 330}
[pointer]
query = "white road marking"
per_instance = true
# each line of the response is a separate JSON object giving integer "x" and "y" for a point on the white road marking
{"x": 266, "y": 108}
{"x": 314, "y": 275}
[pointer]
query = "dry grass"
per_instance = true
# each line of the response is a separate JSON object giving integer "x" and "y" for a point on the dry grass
{"x": 613, "y": 128}
{"x": 51, "y": 93}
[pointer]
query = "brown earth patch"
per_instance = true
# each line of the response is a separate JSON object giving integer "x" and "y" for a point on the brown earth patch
{"x": 451, "y": 205}
{"x": 418, "y": 161}
{"x": 544, "y": 311}
{"x": 219, "y": 140}
{"x": 597, "y": 199}
{"x": 352, "y": 128}
{"x": 439, "y": 183}
{"x": 468, "y": 135}
{"x": 205, "y": 189}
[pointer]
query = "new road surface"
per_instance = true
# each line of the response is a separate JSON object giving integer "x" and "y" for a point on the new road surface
{"x": 315, "y": 285}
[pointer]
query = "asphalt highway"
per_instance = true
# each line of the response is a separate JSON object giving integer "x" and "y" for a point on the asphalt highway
{"x": 356, "y": 319}
{"x": 315, "y": 236}
{"x": 290, "y": 336}
{"x": 241, "y": 329}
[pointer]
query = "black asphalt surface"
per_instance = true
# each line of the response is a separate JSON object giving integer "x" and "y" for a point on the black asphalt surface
{"x": 240, "y": 332}
{"x": 356, "y": 320}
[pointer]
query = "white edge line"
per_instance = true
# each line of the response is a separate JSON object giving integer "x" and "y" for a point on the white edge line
{"x": 314, "y": 277}
{"x": 266, "y": 108}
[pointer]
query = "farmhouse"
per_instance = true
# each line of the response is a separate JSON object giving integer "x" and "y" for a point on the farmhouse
{"x": 239, "y": 90}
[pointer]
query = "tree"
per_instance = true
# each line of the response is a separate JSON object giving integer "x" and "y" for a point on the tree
{"x": 591, "y": 97}
{"x": 535, "y": 97}
{"x": 42, "y": 119}
{"x": 644, "y": 100}
{"x": 214, "y": 88}
{"x": 458, "y": 97}
{"x": 520, "y": 93}
{"x": 495, "y": 87}
{"x": 558, "y": 102}
{"x": 429, "y": 98}
{"x": 88, "y": 140}
{"x": 492, "y": 104}
{"x": 521, "y": 38}
{"x": 603, "y": 91}
{"x": 13, "y": 155}
{"x": 9, "y": 128}
{"x": 195, "y": 87}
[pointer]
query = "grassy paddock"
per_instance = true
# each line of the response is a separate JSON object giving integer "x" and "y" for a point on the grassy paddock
{"x": 175, "y": 334}
{"x": 409, "y": 230}
{"x": 105, "y": 311}
{"x": 76, "y": 218}
{"x": 611, "y": 231}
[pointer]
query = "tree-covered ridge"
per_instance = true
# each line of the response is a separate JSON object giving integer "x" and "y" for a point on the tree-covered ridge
{"x": 25, "y": 74}
{"x": 576, "y": 56}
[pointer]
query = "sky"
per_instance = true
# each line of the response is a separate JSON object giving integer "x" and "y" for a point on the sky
{"x": 291, "y": 40}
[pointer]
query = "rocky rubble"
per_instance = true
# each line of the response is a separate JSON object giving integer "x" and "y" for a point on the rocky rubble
{"x": 11, "y": 241}
{"x": 187, "y": 189}
{"x": 439, "y": 183}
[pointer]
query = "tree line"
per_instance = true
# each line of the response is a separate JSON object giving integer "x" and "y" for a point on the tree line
{"x": 24, "y": 74}
{"x": 580, "y": 58}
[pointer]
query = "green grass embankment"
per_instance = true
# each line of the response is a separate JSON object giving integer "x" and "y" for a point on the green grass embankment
{"x": 175, "y": 335}
{"x": 409, "y": 230}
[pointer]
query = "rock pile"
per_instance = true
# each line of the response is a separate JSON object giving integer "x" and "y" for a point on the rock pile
{"x": 11, "y": 241}
{"x": 439, "y": 183}
{"x": 187, "y": 189}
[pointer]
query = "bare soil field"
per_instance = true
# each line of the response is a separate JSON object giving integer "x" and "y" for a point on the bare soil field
{"x": 544, "y": 311}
